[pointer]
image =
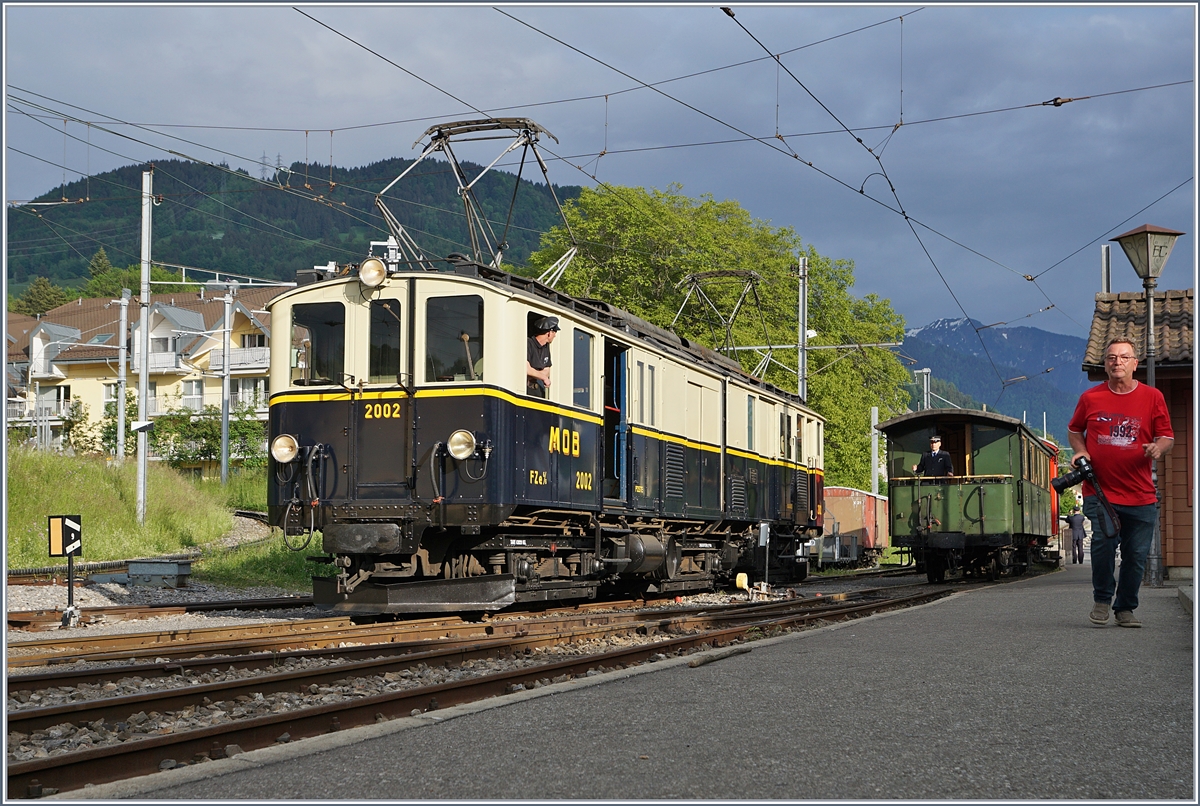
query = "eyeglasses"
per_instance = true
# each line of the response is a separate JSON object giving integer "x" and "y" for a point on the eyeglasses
{"x": 1113, "y": 359}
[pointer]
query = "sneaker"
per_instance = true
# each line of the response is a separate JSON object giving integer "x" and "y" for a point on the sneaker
{"x": 1125, "y": 618}
{"x": 1099, "y": 614}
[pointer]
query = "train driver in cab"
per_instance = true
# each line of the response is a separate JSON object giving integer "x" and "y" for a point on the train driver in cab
{"x": 537, "y": 357}
{"x": 935, "y": 461}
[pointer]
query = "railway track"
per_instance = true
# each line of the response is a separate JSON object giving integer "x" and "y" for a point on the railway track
{"x": 532, "y": 652}
{"x": 38, "y": 620}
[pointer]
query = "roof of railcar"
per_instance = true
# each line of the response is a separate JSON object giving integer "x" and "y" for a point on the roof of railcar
{"x": 597, "y": 310}
{"x": 955, "y": 417}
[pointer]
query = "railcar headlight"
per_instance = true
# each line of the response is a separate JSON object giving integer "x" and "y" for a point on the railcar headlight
{"x": 372, "y": 272}
{"x": 461, "y": 444}
{"x": 284, "y": 448}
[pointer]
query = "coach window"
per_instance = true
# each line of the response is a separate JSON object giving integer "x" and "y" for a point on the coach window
{"x": 582, "y": 371}
{"x": 385, "y": 341}
{"x": 749, "y": 422}
{"x": 650, "y": 395}
{"x": 641, "y": 392}
{"x": 454, "y": 338}
{"x": 318, "y": 343}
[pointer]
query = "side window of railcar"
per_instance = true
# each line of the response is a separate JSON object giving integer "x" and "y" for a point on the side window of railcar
{"x": 749, "y": 422}
{"x": 583, "y": 369}
{"x": 318, "y": 343}
{"x": 385, "y": 341}
{"x": 650, "y": 393}
{"x": 454, "y": 339}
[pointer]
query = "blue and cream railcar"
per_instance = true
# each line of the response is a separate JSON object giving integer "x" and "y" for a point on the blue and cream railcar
{"x": 995, "y": 516}
{"x": 401, "y": 430}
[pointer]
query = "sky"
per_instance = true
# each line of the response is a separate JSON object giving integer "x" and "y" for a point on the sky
{"x": 920, "y": 142}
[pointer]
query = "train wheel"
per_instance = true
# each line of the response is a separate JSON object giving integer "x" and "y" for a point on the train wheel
{"x": 993, "y": 569}
{"x": 935, "y": 569}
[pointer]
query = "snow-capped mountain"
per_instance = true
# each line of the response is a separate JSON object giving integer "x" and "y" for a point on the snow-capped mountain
{"x": 1049, "y": 362}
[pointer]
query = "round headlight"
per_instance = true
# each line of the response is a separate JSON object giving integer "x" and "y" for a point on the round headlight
{"x": 372, "y": 272}
{"x": 284, "y": 448}
{"x": 461, "y": 445}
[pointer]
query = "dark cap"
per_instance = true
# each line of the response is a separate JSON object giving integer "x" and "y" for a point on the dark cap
{"x": 547, "y": 324}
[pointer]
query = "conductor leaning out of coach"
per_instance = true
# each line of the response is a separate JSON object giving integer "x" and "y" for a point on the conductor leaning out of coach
{"x": 1121, "y": 427}
{"x": 537, "y": 357}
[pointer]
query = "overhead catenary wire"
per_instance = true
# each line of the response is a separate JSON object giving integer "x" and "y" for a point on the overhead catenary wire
{"x": 1055, "y": 102}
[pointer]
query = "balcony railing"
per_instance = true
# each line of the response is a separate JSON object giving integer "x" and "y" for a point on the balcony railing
{"x": 241, "y": 358}
{"x": 159, "y": 362}
{"x": 51, "y": 409}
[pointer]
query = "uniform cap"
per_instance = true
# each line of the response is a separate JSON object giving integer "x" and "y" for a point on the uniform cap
{"x": 548, "y": 324}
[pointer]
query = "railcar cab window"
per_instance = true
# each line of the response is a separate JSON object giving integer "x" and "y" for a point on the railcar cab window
{"x": 318, "y": 343}
{"x": 582, "y": 369}
{"x": 385, "y": 341}
{"x": 454, "y": 339}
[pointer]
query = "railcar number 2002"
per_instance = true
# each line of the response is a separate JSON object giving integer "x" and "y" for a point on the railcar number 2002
{"x": 381, "y": 411}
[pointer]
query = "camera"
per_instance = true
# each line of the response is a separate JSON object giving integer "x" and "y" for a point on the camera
{"x": 1083, "y": 471}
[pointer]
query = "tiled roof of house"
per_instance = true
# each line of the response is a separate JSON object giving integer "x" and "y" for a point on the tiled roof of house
{"x": 1124, "y": 315}
{"x": 19, "y": 325}
{"x": 93, "y": 319}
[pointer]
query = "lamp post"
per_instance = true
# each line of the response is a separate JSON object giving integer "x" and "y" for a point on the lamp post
{"x": 1148, "y": 248}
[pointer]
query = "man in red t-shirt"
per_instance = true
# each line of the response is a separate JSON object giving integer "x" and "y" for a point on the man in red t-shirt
{"x": 1122, "y": 428}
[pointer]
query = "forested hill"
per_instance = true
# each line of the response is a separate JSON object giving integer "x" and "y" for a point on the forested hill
{"x": 224, "y": 220}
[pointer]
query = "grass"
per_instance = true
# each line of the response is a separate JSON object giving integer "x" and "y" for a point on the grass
{"x": 246, "y": 489}
{"x": 104, "y": 495}
{"x": 261, "y": 564}
{"x": 181, "y": 514}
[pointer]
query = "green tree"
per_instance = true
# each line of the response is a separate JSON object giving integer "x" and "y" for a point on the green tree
{"x": 99, "y": 264}
{"x": 636, "y": 247}
{"x": 39, "y": 297}
{"x": 109, "y": 283}
{"x": 78, "y": 434}
{"x": 185, "y": 437}
{"x": 108, "y": 425}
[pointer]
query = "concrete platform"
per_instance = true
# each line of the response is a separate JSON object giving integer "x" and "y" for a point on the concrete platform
{"x": 1005, "y": 692}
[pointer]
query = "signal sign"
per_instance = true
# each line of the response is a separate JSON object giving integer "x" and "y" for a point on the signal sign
{"x": 66, "y": 536}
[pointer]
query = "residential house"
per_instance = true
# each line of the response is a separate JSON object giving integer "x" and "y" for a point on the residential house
{"x": 71, "y": 353}
{"x": 1123, "y": 315}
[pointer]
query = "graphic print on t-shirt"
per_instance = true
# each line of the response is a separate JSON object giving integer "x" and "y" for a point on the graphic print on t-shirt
{"x": 1118, "y": 430}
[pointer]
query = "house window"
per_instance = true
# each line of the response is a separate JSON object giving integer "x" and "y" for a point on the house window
{"x": 101, "y": 339}
{"x": 162, "y": 344}
{"x": 248, "y": 391}
{"x": 253, "y": 340}
{"x": 193, "y": 395}
{"x": 110, "y": 393}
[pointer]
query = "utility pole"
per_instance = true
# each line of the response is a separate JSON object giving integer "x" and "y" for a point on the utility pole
{"x": 802, "y": 335}
{"x": 874, "y": 450}
{"x": 144, "y": 344}
{"x": 925, "y": 385}
{"x": 121, "y": 379}
{"x": 227, "y": 329}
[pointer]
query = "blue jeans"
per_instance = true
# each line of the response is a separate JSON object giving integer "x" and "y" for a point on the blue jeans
{"x": 1135, "y": 537}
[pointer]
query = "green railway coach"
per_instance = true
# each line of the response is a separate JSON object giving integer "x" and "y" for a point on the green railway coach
{"x": 995, "y": 516}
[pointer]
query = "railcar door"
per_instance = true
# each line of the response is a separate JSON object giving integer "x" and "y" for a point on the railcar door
{"x": 616, "y": 422}
{"x": 319, "y": 413}
{"x": 380, "y": 417}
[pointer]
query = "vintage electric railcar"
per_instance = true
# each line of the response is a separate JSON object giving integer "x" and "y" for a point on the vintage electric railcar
{"x": 995, "y": 516}
{"x": 401, "y": 430}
